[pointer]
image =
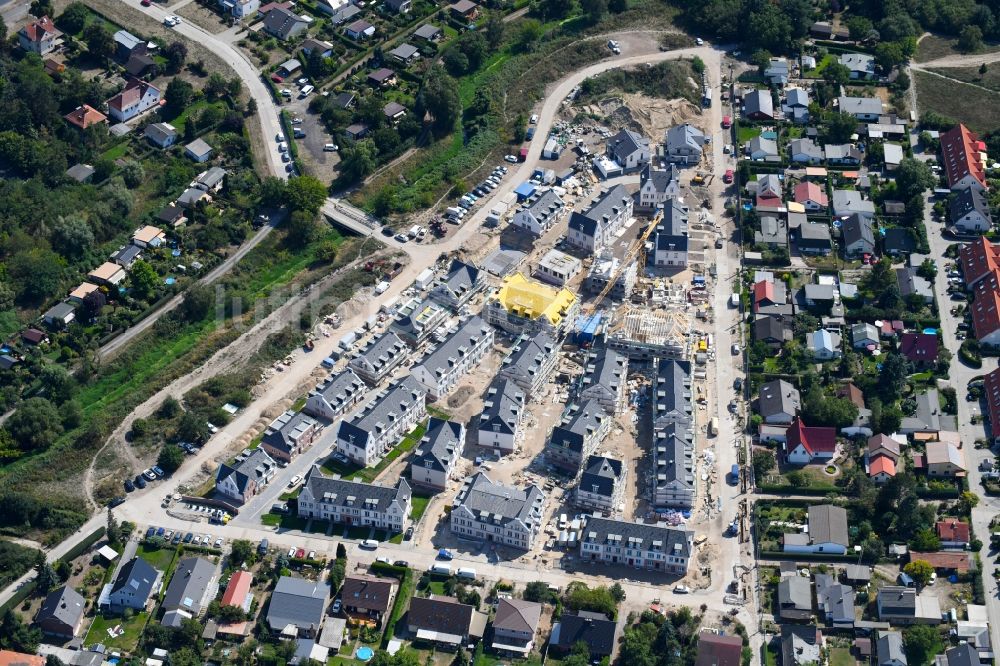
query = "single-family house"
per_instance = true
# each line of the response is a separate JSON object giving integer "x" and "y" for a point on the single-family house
{"x": 238, "y": 591}
{"x": 758, "y": 105}
{"x": 464, "y": 10}
{"x": 134, "y": 584}
{"x": 108, "y": 273}
{"x": 85, "y": 116}
{"x": 844, "y": 154}
{"x": 194, "y": 584}
{"x": 683, "y": 144}
{"x": 240, "y": 9}
{"x": 778, "y": 402}
{"x": 444, "y": 620}
{"x": 39, "y": 36}
{"x": 897, "y": 241}
{"x": 137, "y": 97}
{"x": 297, "y": 607}
{"x": 862, "y": 108}
{"x": 902, "y": 605}
{"x": 777, "y": 71}
{"x": 503, "y": 411}
{"x": 198, "y": 150}
{"x": 368, "y": 598}
{"x": 629, "y": 149}
{"x": 861, "y": 65}
{"x": 801, "y": 645}
{"x": 814, "y": 238}
{"x": 717, "y": 650}
{"x": 889, "y": 649}
{"x": 284, "y": 24}
{"x": 864, "y": 335}
{"x": 969, "y": 211}
{"x": 429, "y": 33}
{"x": 773, "y": 231}
{"x": 772, "y": 331}
{"x": 804, "y": 151}
{"x": 851, "y": 202}
{"x": 311, "y": 45}
{"x": 944, "y": 459}
{"x": 835, "y": 601}
{"x": 398, "y": 6}
{"x": 763, "y": 149}
{"x": 658, "y": 185}
{"x": 359, "y": 30}
{"x": 336, "y": 395}
{"x": 289, "y": 435}
{"x": 405, "y": 54}
{"x": 858, "y": 235}
{"x": 912, "y": 284}
{"x": 60, "y": 315}
{"x": 827, "y": 532}
{"x": 795, "y": 598}
{"x": 920, "y": 348}
{"x": 808, "y": 444}
{"x": 881, "y": 469}
{"x": 811, "y": 196}
{"x": 593, "y": 629}
{"x": 161, "y": 135}
{"x": 953, "y": 533}
{"x": 514, "y": 625}
{"x": 824, "y": 345}
{"x": 61, "y": 613}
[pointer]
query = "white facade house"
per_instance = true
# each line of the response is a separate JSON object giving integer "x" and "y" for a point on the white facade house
{"x": 353, "y": 502}
{"x": 242, "y": 479}
{"x": 602, "y": 485}
{"x": 670, "y": 240}
{"x": 629, "y": 149}
{"x": 373, "y": 431}
{"x": 497, "y": 513}
{"x": 436, "y": 454}
{"x": 443, "y": 367}
{"x": 240, "y": 9}
{"x": 379, "y": 358}
{"x": 683, "y": 144}
{"x": 658, "y": 185}
{"x": 557, "y": 267}
{"x": 539, "y": 213}
{"x": 137, "y": 97}
{"x": 500, "y": 421}
{"x": 827, "y": 532}
{"x": 335, "y": 396}
{"x": 530, "y": 362}
{"x": 667, "y": 549}
{"x": 604, "y": 379}
{"x": 597, "y": 226}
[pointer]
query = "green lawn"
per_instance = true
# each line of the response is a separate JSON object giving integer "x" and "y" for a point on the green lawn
{"x": 116, "y": 151}
{"x": 436, "y": 587}
{"x": 319, "y": 527}
{"x": 841, "y": 657}
{"x": 127, "y": 641}
{"x": 368, "y": 474}
{"x": 285, "y": 522}
{"x": 159, "y": 558}
{"x": 747, "y": 133}
{"x": 827, "y": 60}
{"x": 420, "y": 503}
{"x": 358, "y": 532}
{"x": 271, "y": 519}
{"x": 487, "y": 659}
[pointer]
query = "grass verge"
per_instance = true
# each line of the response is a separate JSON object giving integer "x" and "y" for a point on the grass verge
{"x": 938, "y": 95}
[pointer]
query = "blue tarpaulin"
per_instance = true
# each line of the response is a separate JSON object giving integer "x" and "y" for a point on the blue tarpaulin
{"x": 525, "y": 190}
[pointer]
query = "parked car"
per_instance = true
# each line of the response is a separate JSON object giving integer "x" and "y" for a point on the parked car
{"x": 150, "y": 532}
{"x": 160, "y": 531}
{"x": 291, "y": 552}
{"x": 140, "y": 481}
{"x": 177, "y": 538}
{"x": 400, "y": 563}
{"x": 129, "y": 486}
{"x": 149, "y": 474}
{"x": 330, "y": 147}
{"x": 300, "y": 553}
{"x": 188, "y": 537}
{"x": 295, "y": 481}
{"x": 336, "y": 606}
{"x": 681, "y": 589}
{"x": 311, "y": 555}
{"x": 445, "y": 554}
{"x": 158, "y": 471}
{"x": 218, "y": 542}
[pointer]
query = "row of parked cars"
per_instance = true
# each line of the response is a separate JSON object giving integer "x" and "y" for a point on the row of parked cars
{"x": 176, "y": 537}
{"x": 469, "y": 199}
{"x": 151, "y": 474}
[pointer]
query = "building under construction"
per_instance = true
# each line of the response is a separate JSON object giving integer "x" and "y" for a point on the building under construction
{"x": 643, "y": 334}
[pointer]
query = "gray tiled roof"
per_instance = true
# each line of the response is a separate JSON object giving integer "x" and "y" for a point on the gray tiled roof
{"x": 806, "y": 147}
{"x": 339, "y": 492}
{"x": 795, "y": 592}
{"x": 578, "y": 422}
{"x": 394, "y": 401}
{"x": 759, "y": 101}
{"x": 340, "y": 389}
{"x": 673, "y": 541}
{"x": 778, "y": 397}
{"x": 594, "y": 629}
{"x": 605, "y": 368}
{"x": 828, "y": 524}
{"x": 672, "y": 231}
{"x": 860, "y": 105}
{"x": 382, "y": 353}
{"x": 439, "y": 445}
{"x": 889, "y": 647}
{"x": 968, "y": 200}
{"x": 189, "y": 584}
{"x": 64, "y": 605}
{"x": 527, "y": 356}
{"x": 684, "y": 136}
{"x": 503, "y": 401}
{"x": 254, "y": 467}
{"x": 455, "y": 346}
{"x": 625, "y": 143}
{"x": 138, "y": 574}
{"x": 461, "y": 278}
{"x": 858, "y": 228}
{"x": 285, "y": 431}
{"x": 672, "y": 392}
{"x": 834, "y": 599}
{"x": 610, "y": 204}
{"x": 962, "y": 655}
{"x": 674, "y": 460}
{"x": 544, "y": 204}
{"x": 298, "y": 602}
{"x": 662, "y": 178}
{"x": 600, "y": 474}
{"x": 484, "y": 497}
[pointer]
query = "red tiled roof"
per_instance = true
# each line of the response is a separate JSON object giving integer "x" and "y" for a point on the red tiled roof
{"x": 919, "y": 347}
{"x": 134, "y": 91}
{"x": 953, "y": 530}
{"x": 238, "y": 588}
{"x": 985, "y": 313}
{"x": 960, "y": 154}
{"x": 813, "y": 439}
{"x": 809, "y": 191}
{"x": 882, "y": 464}
{"x": 11, "y": 658}
{"x": 763, "y": 290}
{"x": 715, "y": 650}
{"x": 85, "y": 116}
{"x": 978, "y": 259}
{"x": 852, "y": 393}
{"x": 991, "y": 388}
{"x": 36, "y": 30}
{"x": 957, "y": 561}
{"x": 891, "y": 327}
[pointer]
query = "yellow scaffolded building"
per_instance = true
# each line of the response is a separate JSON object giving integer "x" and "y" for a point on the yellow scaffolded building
{"x": 522, "y": 305}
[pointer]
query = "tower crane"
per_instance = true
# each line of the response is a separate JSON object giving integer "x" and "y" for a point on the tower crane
{"x": 635, "y": 250}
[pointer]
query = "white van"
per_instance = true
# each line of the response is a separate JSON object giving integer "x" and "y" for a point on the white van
{"x": 466, "y": 573}
{"x": 441, "y": 569}
{"x": 369, "y": 544}
{"x": 306, "y": 91}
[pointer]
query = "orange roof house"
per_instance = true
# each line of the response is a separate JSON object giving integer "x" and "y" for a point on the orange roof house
{"x": 986, "y": 317}
{"x": 11, "y": 658}
{"x": 238, "y": 591}
{"x": 953, "y": 532}
{"x": 881, "y": 468}
{"x": 978, "y": 259}
{"x": 964, "y": 157}
{"x": 85, "y": 116}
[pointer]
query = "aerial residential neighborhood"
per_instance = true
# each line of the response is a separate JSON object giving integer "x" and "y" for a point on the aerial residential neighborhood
{"x": 499, "y": 333}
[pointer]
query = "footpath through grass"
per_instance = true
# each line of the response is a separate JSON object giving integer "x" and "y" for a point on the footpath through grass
{"x": 978, "y": 107}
